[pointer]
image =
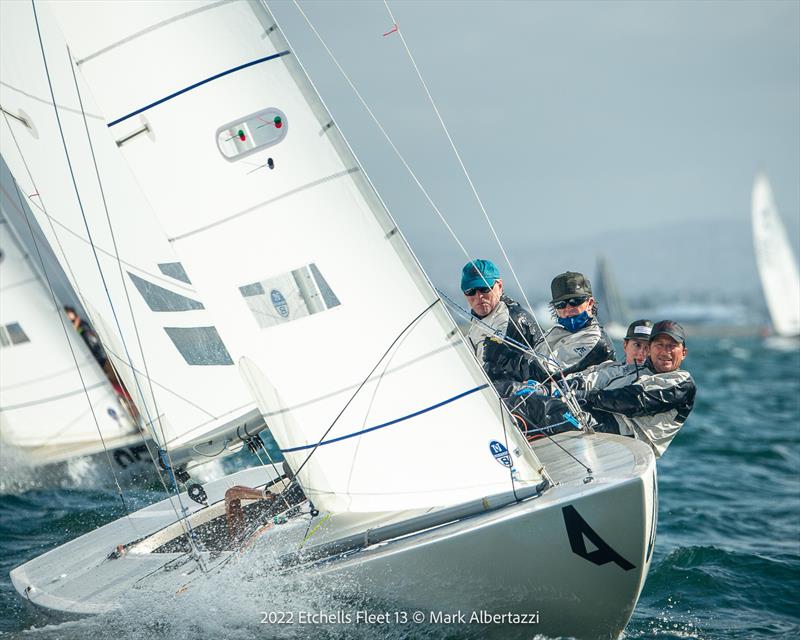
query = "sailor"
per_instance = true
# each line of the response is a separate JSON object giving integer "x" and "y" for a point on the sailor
{"x": 636, "y": 344}
{"x": 575, "y": 342}
{"x": 493, "y": 312}
{"x": 649, "y": 402}
{"x": 88, "y": 334}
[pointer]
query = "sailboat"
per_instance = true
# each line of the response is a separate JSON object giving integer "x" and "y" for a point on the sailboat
{"x": 613, "y": 311}
{"x": 410, "y": 464}
{"x": 56, "y": 404}
{"x": 777, "y": 266}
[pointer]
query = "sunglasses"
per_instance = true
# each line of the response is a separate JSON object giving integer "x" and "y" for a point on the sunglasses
{"x": 572, "y": 302}
{"x": 471, "y": 292}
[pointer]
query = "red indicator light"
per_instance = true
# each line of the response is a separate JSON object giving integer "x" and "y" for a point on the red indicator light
{"x": 241, "y": 135}
{"x": 278, "y": 122}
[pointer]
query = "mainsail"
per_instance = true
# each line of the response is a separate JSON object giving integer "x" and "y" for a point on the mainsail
{"x": 139, "y": 297}
{"x": 776, "y": 263}
{"x": 358, "y": 368}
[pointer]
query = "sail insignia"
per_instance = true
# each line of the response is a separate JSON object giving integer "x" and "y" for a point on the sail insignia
{"x": 290, "y": 296}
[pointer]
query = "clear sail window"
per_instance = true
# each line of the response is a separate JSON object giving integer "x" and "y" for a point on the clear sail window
{"x": 174, "y": 270}
{"x": 161, "y": 299}
{"x": 16, "y": 334}
{"x": 252, "y": 133}
{"x": 4, "y": 341}
{"x": 199, "y": 345}
{"x": 289, "y": 296}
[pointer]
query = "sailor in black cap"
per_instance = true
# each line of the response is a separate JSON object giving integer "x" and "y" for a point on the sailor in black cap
{"x": 575, "y": 342}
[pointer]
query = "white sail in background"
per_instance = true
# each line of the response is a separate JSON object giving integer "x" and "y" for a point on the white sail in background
{"x": 55, "y": 401}
{"x": 138, "y": 295}
{"x": 294, "y": 255}
{"x": 613, "y": 310}
{"x": 776, "y": 263}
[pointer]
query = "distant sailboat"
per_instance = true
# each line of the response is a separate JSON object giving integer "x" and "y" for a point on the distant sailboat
{"x": 56, "y": 403}
{"x": 612, "y": 308}
{"x": 777, "y": 265}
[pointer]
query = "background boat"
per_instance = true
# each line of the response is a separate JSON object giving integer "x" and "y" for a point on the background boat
{"x": 777, "y": 265}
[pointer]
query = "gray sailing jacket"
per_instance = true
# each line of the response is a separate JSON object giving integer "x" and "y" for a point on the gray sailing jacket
{"x": 634, "y": 400}
{"x": 508, "y": 318}
{"x": 571, "y": 351}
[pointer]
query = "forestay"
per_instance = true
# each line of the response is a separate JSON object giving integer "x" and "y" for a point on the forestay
{"x": 776, "y": 263}
{"x": 305, "y": 273}
{"x": 139, "y": 297}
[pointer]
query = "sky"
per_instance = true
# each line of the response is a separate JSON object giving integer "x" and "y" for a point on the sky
{"x": 628, "y": 129}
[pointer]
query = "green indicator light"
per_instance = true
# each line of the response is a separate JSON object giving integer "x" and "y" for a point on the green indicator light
{"x": 278, "y": 122}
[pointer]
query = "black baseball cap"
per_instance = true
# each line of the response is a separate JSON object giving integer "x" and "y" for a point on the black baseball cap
{"x": 570, "y": 284}
{"x": 639, "y": 330}
{"x": 670, "y": 328}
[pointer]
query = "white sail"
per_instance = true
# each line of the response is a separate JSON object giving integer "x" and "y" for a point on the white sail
{"x": 613, "y": 310}
{"x": 138, "y": 295}
{"x": 349, "y": 351}
{"x": 777, "y": 266}
{"x": 55, "y": 401}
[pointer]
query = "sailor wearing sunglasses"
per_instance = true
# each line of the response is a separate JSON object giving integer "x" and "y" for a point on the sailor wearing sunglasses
{"x": 576, "y": 342}
{"x": 493, "y": 311}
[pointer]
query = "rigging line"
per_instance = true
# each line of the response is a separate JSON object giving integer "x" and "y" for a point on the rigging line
{"x": 72, "y": 175}
{"x": 369, "y": 408}
{"x": 355, "y": 393}
{"x": 400, "y": 156}
{"x": 568, "y": 396}
{"x": 275, "y": 469}
{"x": 75, "y": 359}
{"x": 461, "y": 163}
{"x": 558, "y": 444}
{"x": 116, "y": 255}
{"x": 125, "y": 289}
{"x": 136, "y": 267}
{"x": 162, "y": 386}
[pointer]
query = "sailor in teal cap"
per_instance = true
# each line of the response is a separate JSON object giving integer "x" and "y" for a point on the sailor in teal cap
{"x": 493, "y": 312}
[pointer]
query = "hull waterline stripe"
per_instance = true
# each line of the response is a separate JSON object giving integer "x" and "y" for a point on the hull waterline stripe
{"x": 198, "y": 84}
{"x": 388, "y": 424}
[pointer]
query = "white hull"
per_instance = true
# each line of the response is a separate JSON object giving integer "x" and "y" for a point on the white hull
{"x": 531, "y": 557}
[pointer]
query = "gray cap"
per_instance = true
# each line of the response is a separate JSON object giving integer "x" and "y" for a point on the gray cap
{"x": 570, "y": 284}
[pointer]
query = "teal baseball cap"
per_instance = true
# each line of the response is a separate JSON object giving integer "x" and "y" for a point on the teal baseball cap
{"x": 479, "y": 273}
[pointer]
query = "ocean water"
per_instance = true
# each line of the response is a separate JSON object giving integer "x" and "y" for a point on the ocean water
{"x": 726, "y": 564}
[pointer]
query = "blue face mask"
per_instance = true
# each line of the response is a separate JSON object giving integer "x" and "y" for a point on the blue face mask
{"x": 575, "y": 323}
